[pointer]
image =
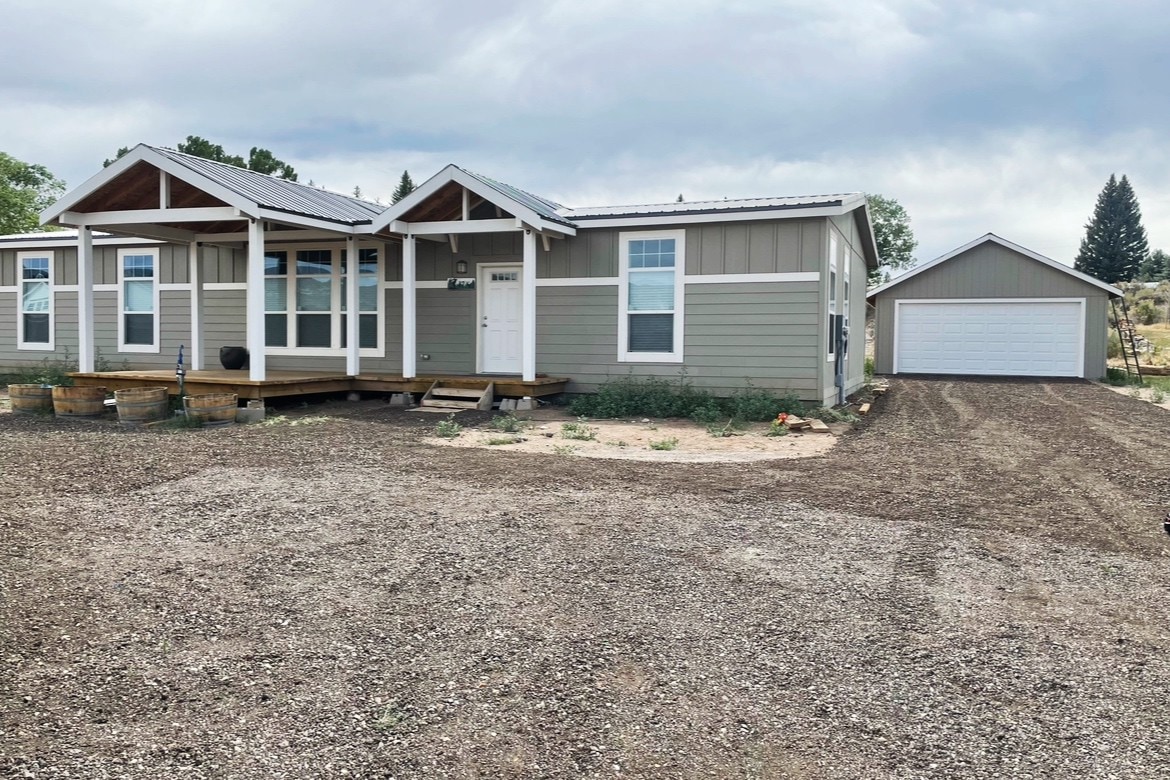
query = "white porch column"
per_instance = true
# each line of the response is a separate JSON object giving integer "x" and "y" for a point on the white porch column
{"x": 195, "y": 276}
{"x": 85, "y": 337}
{"x": 352, "y": 312}
{"x": 528, "y": 308}
{"x": 254, "y": 300}
{"x": 409, "y": 341}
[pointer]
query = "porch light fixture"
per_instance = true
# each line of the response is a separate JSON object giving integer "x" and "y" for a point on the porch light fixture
{"x": 460, "y": 266}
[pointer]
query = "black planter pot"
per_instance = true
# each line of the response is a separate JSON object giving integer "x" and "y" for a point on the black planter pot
{"x": 233, "y": 358}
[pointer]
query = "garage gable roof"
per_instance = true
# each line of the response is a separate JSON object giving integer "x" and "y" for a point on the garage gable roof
{"x": 992, "y": 238}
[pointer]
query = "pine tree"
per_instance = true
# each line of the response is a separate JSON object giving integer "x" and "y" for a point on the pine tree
{"x": 1114, "y": 247}
{"x": 405, "y": 187}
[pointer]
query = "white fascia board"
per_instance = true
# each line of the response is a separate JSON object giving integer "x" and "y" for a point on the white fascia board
{"x": 417, "y": 196}
{"x": 991, "y": 237}
{"x": 461, "y": 226}
{"x": 71, "y": 241}
{"x": 453, "y": 173}
{"x": 653, "y": 220}
{"x": 148, "y": 216}
{"x": 312, "y": 222}
{"x": 143, "y": 153}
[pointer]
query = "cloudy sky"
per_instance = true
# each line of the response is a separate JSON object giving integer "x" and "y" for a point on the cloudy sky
{"x": 977, "y": 116}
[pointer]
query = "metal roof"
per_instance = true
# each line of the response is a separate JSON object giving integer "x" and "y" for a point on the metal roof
{"x": 546, "y": 208}
{"x": 711, "y": 206}
{"x": 277, "y": 194}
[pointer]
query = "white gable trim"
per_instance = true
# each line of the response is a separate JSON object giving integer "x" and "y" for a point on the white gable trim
{"x": 143, "y": 153}
{"x": 991, "y": 237}
{"x": 453, "y": 173}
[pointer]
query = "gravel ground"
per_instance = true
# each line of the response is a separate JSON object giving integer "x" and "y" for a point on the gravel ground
{"x": 971, "y": 584}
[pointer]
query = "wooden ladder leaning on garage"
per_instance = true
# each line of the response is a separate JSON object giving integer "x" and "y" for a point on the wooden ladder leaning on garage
{"x": 1126, "y": 333}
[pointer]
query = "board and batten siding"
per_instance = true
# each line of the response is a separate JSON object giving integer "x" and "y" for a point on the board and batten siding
{"x": 991, "y": 270}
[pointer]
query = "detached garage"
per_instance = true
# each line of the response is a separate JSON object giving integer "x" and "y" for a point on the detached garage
{"x": 992, "y": 308}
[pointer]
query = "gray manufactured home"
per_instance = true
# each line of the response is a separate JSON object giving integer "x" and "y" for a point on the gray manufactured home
{"x": 465, "y": 277}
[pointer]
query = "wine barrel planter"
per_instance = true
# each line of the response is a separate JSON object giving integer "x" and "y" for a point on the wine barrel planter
{"x": 79, "y": 401}
{"x": 213, "y": 409}
{"x": 233, "y": 358}
{"x": 31, "y": 399}
{"x": 140, "y": 405}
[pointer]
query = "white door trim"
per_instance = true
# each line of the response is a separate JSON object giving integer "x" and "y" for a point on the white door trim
{"x": 1080, "y": 335}
{"x": 482, "y": 270}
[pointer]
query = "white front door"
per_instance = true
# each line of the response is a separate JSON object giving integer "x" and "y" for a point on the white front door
{"x": 499, "y": 319}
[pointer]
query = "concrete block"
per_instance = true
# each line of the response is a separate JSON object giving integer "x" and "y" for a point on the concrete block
{"x": 250, "y": 415}
{"x": 525, "y": 404}
{"x": 354, "y": 397}
{"x": 508, "y": 405}
{"x": 399, "y": 399}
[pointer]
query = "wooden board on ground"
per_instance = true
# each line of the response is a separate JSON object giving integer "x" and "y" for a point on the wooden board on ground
{"x": 797, "y": 424}
{"x": 816, "y": 426}
{"x": 863, "y": 409}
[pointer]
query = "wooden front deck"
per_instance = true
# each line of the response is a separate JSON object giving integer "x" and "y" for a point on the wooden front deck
{"x": 280, "y": 384}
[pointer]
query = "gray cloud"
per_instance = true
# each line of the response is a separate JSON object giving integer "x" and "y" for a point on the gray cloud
{"x": 978, "y": 116}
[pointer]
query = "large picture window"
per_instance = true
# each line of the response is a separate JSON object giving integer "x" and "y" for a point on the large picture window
{"x": 138, "y": 322}
{"x": 35, "y": 323}
{"x": 650, "y": 297}
{"x": 305, "y": 301}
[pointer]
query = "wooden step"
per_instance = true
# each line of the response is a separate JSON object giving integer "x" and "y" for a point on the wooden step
{"x": 448, "y": 397}
{"x": 458, "y": 392}
{"x": 444, "y": 403}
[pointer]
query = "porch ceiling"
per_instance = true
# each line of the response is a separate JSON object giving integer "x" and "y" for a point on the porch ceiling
{"x": 137, "y": 188}
{"x": 445, "y": 205}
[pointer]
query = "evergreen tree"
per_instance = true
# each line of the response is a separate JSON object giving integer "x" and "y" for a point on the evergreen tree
{"x": 405, "y": 187}
{"x": 1114, "y": 247}
{"x": 1154, "y": 268}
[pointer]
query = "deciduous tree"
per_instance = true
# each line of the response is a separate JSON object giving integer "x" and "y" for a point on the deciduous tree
{"x": 25, "y": 191}
{"x": 892, "y": 234}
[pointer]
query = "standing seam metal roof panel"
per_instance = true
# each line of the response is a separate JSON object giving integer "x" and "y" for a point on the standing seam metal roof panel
{"x": 280, "y": 194}
{"x": 542, "y": 206}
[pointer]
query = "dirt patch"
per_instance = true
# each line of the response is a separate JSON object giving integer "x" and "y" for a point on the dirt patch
{"x": 665, "y": 441}
{"x": 971, "y": 585}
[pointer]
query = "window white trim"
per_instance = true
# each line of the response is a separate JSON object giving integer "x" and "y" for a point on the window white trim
{"x": 36, "y": 346}
{"x": 680, "y": 264}
{"x": 336, "y": 350}
{"x": 831, "y": 306}
{"x": 156, "y": 346}
{"x": 846, "y": 294}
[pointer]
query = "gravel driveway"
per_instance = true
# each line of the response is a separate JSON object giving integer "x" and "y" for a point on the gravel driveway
{"x": 972, "y": 584}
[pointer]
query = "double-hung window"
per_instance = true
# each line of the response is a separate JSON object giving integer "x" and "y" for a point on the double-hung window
{"x": 138, "y": 321}
{"x": 305, "y": 301}
{"x": 35, "y": 325}
{"x": 650, "y": 296}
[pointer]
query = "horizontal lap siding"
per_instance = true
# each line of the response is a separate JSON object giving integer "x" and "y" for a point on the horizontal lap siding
{"x": 733, "y": 333}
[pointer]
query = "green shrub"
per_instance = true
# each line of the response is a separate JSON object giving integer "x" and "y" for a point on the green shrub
{"x": 495, "y": 441}
{"x": 868, "y": 369}
{"x": 708, "y": 413}
{"x": 1119, "y": 377}
{"x": 828, "y": 415}
{"x": 656, "y": 397}
{"x": 507, "y": 423}
{"x": 1113, "y": 350}
{"x": 755, "y": 404}
{"x": 664, "y": 444}
{"x": 448, "y": 429}
{"x": 579, "y": 431}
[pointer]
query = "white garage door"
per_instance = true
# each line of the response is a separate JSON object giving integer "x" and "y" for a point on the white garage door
{"x": 1017, "y": 338}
